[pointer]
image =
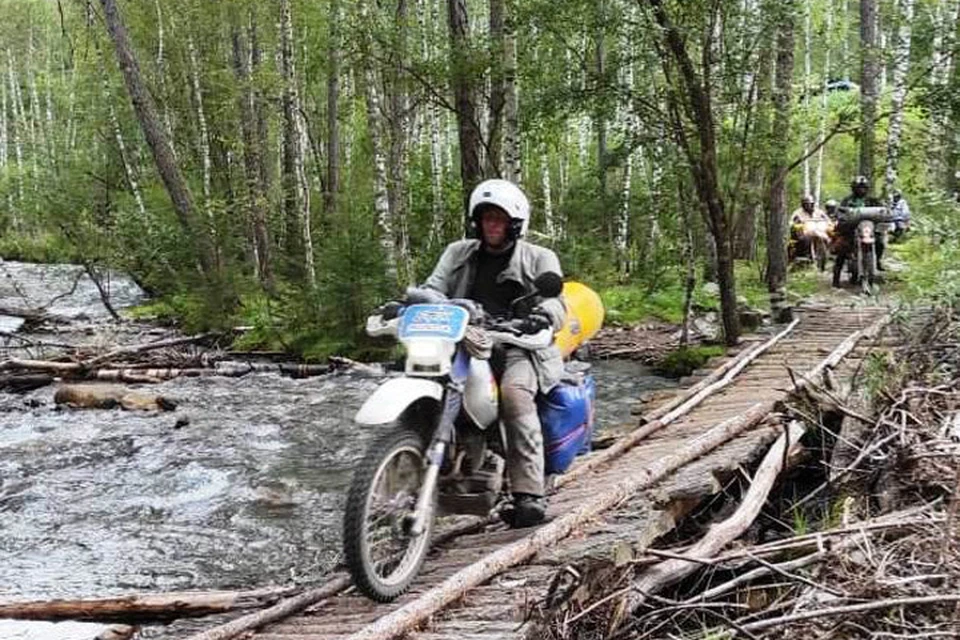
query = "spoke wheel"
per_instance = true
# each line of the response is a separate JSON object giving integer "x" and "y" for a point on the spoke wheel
{"x": 381, "y": 555}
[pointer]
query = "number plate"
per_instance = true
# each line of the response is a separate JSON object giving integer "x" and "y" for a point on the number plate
{"x": 443, "y": 321}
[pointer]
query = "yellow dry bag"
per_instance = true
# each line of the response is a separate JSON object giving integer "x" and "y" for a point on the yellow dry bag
{"x": 584, "y": 317}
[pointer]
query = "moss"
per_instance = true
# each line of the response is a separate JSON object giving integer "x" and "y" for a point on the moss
{"x": 685, "y": 360}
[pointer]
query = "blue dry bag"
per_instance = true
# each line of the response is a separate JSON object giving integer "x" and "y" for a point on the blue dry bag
{"x": 566, "y": 417}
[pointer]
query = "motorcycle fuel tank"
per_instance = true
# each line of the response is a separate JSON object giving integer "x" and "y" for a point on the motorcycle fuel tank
{"x": 481, "y": 397}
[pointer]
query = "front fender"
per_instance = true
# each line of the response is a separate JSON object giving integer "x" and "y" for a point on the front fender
{"x": 393, "y": 397}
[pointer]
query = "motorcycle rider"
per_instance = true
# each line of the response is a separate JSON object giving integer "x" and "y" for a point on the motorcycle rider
{"x": 494, "y": 269}
{"x": 847, "y": 229}
{"x": 901, "y": 214}
{"x": 831, "y": 206}
{"x": 799, "y": 243}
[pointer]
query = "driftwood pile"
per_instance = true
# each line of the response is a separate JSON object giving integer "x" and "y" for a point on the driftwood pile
{"x": 154, "y": 361}
{"x": 869, "y": 548}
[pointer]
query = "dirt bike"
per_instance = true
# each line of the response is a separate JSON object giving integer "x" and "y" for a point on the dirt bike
{"x": 863, "y": 266}
{"x": 446, "y": 447}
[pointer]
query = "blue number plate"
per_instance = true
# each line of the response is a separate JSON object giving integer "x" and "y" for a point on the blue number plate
{"x": 444, "y": 321}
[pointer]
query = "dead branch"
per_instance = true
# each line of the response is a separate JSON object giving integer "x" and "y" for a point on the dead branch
{"x": 723, "y": 533}
{"x": 848, "y": 609}
{"x": 143, "y": 348}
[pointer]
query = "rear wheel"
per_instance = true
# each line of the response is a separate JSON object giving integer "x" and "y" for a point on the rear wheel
{"x": 382, "y": 556}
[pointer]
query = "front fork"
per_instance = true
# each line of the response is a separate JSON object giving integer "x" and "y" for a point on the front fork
{"x": 442, "y": 437}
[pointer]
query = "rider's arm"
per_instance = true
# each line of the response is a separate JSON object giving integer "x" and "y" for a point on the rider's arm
{"x": 553, "y": 307}
{"x": 442, "y": 277}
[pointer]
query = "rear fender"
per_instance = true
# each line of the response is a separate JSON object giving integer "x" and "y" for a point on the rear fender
{"x": 394, "y": 397}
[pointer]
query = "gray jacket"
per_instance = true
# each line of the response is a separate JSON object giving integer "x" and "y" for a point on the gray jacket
{"x": 453, "y": 277}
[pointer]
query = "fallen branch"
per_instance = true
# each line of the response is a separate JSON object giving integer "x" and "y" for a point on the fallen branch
{"x": 416, "y": 612}
{"x": 848, "y": 609}
{"x": 723, "y": 533}
{"x": 143, "y": 348}
{"x": 138, "y": 609}
{"x": 277, "y": 612}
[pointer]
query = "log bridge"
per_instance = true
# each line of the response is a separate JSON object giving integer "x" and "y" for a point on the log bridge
{"x": 480, "y": 580}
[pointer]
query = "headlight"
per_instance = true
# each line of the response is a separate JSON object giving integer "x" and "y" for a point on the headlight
{"x": 424, "y": 349}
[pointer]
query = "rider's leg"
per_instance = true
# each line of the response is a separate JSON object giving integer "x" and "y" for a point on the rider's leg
{"x": 838, "y": 267}
{"x": 518, "y": 409}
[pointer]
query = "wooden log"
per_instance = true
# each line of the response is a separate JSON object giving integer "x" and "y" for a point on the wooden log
{"x": 430, "y": 602}
{"x": 40, "y": 365}
{"x": 675, "y": 408}
{"x": 106, "y": 396}
{"x": 21, "y": 383}
{"x": 670, "y": 572}
{"x": 67, "y": 630}
{"x": 278, "y": 611}
{"x": 138, "y": 609}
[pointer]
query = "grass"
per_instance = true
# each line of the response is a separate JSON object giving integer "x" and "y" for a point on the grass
{"x": 637, "y": 302}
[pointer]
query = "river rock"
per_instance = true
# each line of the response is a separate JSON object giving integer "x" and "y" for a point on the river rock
{"x": 108, "y": 396}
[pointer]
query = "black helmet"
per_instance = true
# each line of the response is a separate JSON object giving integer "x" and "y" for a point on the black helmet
{"x": 831, "y": 204}
{"x": 860, "y": 181}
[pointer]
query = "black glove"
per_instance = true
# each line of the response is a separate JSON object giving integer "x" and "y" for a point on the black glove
{"x": 535, "y": 322}
{"x": 391, "y": 310}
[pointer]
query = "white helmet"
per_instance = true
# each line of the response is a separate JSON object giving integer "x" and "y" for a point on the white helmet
{"x": 507, "y": 196}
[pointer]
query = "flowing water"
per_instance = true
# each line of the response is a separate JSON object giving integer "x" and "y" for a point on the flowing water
{"x": 241, "y": 486}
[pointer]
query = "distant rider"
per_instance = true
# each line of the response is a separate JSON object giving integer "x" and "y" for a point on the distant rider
{"x": 847, "y": 229}
{"x": 494, "y": 269}
{"x": 799, "y": 243}
{"x": 831, "y": 207}
{"x": 901, "y": 214}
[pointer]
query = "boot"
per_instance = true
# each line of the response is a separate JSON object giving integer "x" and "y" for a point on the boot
{"x": 526, "y": 510}
{"x": 837, "y": 270}
{"x": 880, "y": 250}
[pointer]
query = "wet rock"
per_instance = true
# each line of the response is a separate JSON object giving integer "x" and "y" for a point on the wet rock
{"x": 182, "y": 421}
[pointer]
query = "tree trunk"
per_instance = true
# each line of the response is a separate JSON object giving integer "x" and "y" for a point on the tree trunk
{"x": 333, "y": 111}
{"x": 204, "y": 142}
{"x": 900, "y": 69}
{"x": 807, "y": 73}
{"x": 399, "y": 142}
{"x": 869, "y": 68}
{"x": 511, "y": 133}
{"x": 17, "y": 126}
{"x": 256, "y": 192}
{"x": 160, "y": 147}
{"x": 777, "y": 207}
{"x": 824, "y": 106}
{"x": 696, "y": 102}
{"x": 548, "y": 215}
{"x": 290, "y": 177}
{"x": 464, "y": 91}
{"x": 381, "y": 199}
{"x": 495, "y": 112}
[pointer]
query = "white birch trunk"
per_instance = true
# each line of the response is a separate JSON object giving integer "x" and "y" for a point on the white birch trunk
{"x": 627, "y": 126}
{"x": 824, "y": 106}
{"x": 162, "y": 77}
{"x": 807, "y": 73}
{"x": 381, "y": 199}
{"x": 845, "y": 39}
{"x": 16, "y": 126}
{"x": 900, "y": 70}
{"x": 202, "y": 125}
{"x": 882, "y": 53}
{"x": 511, "y": 129}
{"x": 304, "y": 198}
{"x": 3, "y": 126}
{"x": 548, "y": 219}
{"x": 124, "y": 157}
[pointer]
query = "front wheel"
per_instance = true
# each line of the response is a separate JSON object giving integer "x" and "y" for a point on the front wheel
{"x": 383, "y": 557}
{"x": 869, "y": 275}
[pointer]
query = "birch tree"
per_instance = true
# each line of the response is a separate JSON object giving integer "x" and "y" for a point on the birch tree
{"x": 869, "y": 67}
{"x": 159, "y": 145}
{"x": 465, "y": 100}
{"x": 900, "y": 70}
